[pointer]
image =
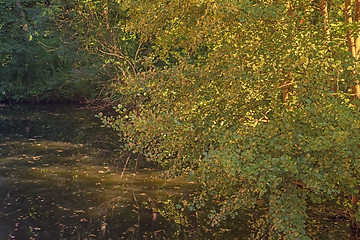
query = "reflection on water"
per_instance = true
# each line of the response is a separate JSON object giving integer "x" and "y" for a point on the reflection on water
{"x": 60, "y": 178}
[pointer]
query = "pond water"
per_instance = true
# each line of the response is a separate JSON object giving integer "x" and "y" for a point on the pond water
{"x": 61, "y": 177}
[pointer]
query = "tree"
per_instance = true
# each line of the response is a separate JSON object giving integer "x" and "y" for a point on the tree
{"x": 40, "y": 60}
{"x": 101, "y": 28}
{"x": 251, "y": 97}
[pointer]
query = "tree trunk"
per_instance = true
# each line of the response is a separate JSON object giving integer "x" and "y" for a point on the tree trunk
{"x": 353, "y": 42}
{"x": 355, "y": 91}
{"x": 348, "y": 20}
{"x": 324, "y": 14}
{"x": 356, "y": 19}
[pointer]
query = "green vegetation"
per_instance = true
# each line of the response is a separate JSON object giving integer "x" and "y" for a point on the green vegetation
{"x": 255, "y": 100}
{"x": 40, "y": 55}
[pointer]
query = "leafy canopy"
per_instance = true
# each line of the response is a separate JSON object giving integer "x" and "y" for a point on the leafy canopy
{"x": 248, "y": 97}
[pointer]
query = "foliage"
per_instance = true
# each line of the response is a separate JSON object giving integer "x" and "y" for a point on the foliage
{"x": 101, "y": 28}
{"x": 250, "y": 98}
{"x": 38, "y": 60}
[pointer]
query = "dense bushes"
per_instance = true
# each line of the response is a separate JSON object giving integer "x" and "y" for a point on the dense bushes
{"x": 252, "y": 98}
{"x": 40, "y": 57}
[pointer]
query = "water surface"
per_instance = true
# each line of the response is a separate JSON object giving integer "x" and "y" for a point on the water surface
{"x": 61, "y": 177}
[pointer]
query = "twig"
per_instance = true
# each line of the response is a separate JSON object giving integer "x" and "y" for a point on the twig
{"x": 127, "y": 160}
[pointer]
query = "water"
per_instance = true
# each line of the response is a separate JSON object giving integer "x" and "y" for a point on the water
{"x": 61, "y": 177}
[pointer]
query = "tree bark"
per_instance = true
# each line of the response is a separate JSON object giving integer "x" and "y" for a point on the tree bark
{"x": 349, "y": 20}
{"x": 324, "y": 14}
{"x": 356, "y": 19}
